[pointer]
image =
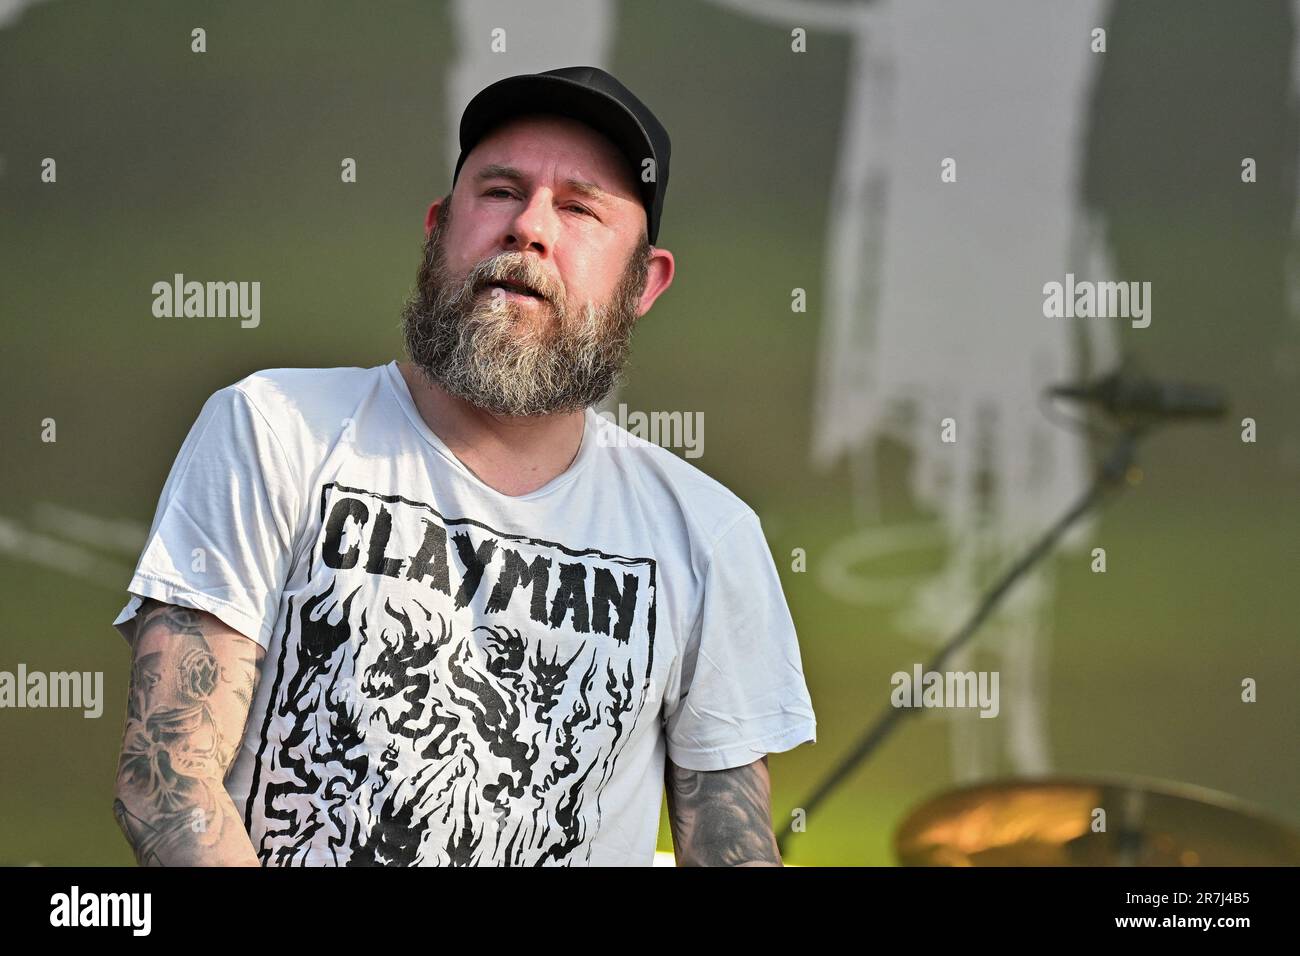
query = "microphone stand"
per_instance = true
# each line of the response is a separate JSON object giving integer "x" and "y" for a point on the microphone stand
{"x": 1111, "y": 474}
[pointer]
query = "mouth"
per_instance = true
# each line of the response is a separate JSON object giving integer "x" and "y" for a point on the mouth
{"x": 516, "y": 289}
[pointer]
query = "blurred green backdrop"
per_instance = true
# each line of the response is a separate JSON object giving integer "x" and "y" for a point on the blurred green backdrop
{"x": 227, "y": 165}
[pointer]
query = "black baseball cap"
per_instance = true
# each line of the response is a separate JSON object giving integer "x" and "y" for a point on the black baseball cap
{"x": 588, "y": 94}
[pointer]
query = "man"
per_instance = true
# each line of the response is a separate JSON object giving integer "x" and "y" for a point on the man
{"x": 442, "y": 612}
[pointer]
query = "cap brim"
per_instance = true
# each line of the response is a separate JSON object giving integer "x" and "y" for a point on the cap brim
{"x": 553, "y": 94}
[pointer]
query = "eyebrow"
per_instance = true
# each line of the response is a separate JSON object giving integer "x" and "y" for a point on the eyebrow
{"x": 582, "y": 187}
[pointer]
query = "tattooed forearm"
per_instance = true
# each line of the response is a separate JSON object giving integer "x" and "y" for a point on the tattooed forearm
{"x": 192, "y": 682}
{"x": 722, "y": 817}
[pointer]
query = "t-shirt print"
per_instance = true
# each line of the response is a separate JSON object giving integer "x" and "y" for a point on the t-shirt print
{"x": 448, "y": 694}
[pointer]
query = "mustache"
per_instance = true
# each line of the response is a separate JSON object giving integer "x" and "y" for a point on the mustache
{"x": 514, "y": 268}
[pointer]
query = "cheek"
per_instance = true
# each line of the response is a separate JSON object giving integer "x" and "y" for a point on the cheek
{"x": 588, "y": 278}
{"x": 465, "y": 246}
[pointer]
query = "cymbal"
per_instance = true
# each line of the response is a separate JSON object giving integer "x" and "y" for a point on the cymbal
{"x": 1054, "y": 821}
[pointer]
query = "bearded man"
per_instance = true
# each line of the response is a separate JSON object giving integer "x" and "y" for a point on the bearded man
{"x": 441, "y": 612}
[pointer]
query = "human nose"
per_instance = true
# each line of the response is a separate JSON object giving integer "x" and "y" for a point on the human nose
{"x": 533, "y": 226}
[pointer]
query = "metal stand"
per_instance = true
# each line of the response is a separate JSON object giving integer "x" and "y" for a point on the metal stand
{"x": 1112, "y": 473}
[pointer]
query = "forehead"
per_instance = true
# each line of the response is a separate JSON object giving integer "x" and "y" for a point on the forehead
{"x": 547, "y": 146}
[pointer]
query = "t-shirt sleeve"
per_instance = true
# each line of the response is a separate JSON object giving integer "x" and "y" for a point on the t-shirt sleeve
{"x": 742, "y": 692}
{"x": 222, "y": 535}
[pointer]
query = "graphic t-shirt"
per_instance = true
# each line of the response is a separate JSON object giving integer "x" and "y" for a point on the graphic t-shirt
{"x": 455, "y": 676}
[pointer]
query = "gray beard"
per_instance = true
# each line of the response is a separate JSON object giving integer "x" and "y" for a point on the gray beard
{"x": 509, "y": 358}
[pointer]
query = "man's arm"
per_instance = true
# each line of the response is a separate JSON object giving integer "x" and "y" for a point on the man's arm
{"x": 192, "y": 683}
{"x": 721, "y": 817}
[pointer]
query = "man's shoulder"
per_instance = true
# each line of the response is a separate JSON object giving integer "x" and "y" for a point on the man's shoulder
{"x": 305, "y": 383}
{"x": 291, "y": 396}
{"x": 702, "y": 501}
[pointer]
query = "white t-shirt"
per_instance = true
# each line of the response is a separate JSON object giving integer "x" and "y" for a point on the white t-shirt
{"x": 453, "y": 675}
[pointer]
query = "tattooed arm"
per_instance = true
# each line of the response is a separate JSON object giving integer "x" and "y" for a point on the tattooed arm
{"x": 192, "y": 683}
{"x": 721, "y": 817}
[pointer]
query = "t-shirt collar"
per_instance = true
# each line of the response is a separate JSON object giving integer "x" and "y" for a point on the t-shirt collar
{"x": 586, "y": 450}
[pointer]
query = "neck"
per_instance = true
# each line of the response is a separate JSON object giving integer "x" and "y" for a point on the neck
{"x": 515, "y": 452}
